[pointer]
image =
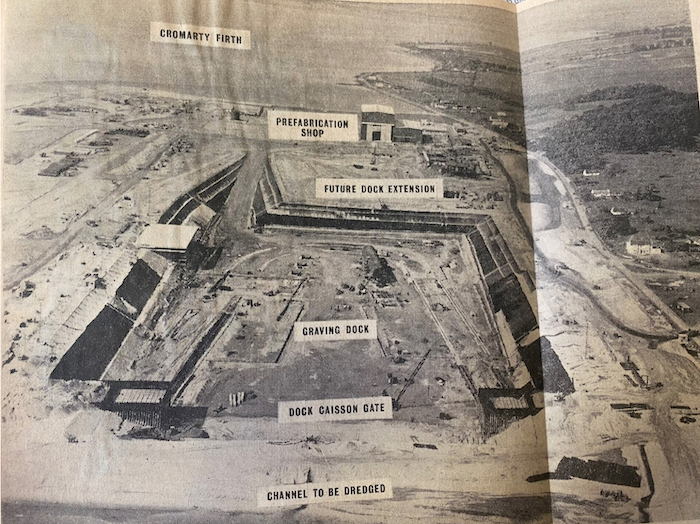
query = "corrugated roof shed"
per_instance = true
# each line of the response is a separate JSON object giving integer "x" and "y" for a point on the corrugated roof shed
{"x": 140, "y": 396}
{"x": 167, "y": 237}
{"x": 411, "y": 124}
{"x": 376, "y": 108}
{"x": 376, "y": 114}
{"x": 509, "y": 403}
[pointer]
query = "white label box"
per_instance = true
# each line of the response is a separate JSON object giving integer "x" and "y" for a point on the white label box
{"x": 311, "y": 493}
{"x": 200, "y": 35}
{"x": 379, "y": 188}
{"x": 313, "y": 126}
{"x": 365, "y": 329}
{"x": 363, "y": 408}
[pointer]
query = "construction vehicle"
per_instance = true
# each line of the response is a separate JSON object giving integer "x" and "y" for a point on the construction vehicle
{"x": 396, "y": 403}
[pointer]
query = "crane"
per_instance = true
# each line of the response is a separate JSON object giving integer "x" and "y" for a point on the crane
{"x": 410, "y": 380}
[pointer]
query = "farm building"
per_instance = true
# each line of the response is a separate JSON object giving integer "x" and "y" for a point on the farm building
{"x": 642, "y": 245}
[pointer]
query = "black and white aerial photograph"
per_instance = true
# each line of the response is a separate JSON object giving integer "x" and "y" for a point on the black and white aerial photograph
{"x": 346, "y": 261}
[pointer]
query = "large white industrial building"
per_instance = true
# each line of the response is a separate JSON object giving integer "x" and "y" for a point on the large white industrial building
{"x": 377, "y": 123}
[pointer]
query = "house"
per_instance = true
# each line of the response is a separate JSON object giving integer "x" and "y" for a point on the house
{"x": 641, "y": 245}
{"x": 601, "y": 193}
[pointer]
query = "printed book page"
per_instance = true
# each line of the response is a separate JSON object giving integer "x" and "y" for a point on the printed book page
{"x": 612, "y": 125}
{"x": 336, "y": 261}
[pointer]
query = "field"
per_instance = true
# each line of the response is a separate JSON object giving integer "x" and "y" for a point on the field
{"x": 555, "y": 76}
{"x": 653, "y": 195}
{"x": 637, "y": 89}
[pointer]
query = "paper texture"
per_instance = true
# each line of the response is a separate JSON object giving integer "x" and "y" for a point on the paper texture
{"x": 318, "y": 261}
